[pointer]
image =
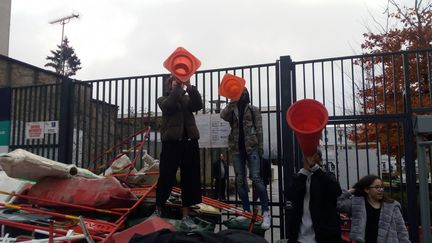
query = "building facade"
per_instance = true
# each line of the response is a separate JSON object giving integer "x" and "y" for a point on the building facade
{"x": 5, "y": 15}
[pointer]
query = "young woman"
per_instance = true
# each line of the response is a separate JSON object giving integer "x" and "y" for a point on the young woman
{"x": 179, "y": 135}
{"x": 374, "y": 217}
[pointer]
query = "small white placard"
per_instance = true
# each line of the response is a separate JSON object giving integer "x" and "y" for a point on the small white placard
{"x": 51, "y": 127}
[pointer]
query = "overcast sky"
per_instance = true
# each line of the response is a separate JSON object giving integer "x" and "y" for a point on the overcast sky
{"x": 115, "y": 38}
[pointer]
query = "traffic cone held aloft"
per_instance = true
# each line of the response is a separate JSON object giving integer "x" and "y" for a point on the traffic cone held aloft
{"x": 231, "y": 87}
{"x": 307, "y": 118}
{"x": 182, "y": 64}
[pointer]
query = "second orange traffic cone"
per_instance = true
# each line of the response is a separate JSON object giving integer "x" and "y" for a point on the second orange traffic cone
{"x": 231, "y": 86}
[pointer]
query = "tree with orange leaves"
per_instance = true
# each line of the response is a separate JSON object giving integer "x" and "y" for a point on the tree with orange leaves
{"x": 384, "y": 74}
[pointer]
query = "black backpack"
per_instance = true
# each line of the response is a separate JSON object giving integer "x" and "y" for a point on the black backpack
{"x": 225, "y": 236}
{"x": 240, "y": 236}
{"x": 167, "y": 236}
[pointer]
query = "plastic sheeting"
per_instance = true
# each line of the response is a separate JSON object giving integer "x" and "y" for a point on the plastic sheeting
{"x": 22, "y": 164}
{"x": 101, "y": 193}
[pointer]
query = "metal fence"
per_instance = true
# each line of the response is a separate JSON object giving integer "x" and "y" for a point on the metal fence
{"x": 371, "y": 100}
{"x": 136, "y": 97}
{"x": 31, "y": 104}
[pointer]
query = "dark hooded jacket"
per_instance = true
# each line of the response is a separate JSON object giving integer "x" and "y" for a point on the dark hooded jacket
{"x": 324, "y": 191}
{"x": 177, "y": 114}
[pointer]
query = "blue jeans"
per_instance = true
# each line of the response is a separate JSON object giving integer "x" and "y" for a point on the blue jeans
{"x": 254, "y": 165}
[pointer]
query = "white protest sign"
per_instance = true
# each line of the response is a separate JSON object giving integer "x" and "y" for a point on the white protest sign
{"x": 213, "y": 131}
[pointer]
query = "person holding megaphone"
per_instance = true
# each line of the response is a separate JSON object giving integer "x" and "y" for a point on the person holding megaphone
{"x": 179, "y": 135}
{"x": 313, "y": 201}
{"x": 312, "y": 196}
{"x": 245, "y": 143}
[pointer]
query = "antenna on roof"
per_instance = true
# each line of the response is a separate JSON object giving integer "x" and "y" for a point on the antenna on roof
{"x": 63, "y": 21}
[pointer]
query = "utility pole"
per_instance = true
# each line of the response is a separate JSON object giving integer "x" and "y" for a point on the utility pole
{"x": 64, "y": 21}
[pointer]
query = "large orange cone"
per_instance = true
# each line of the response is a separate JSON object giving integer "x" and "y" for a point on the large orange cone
{"x": 231, "y": 87}
{"x": 182, "y": 64}
{"x": 307, "y": 118}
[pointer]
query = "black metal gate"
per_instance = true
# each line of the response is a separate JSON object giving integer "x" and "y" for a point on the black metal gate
{"x": 371, "y": 101}
{"x": 129, "y": 103}
{"x": 370, "y": 98}
{"x": 35, "y": 104}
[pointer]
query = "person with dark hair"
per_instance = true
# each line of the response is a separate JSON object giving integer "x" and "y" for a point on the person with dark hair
{"x": 179, "y": 135}
{"x": 220, "y": 174}
{"x": 245, "y": 142}
{"x": 312, "y": 201}
{"x": 374, "y": 217}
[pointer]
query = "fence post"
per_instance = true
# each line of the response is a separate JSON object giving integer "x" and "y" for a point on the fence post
{"x": 65, "y": 121}
{"x": 287, "y": 96}
{"x": 410, "y": 167}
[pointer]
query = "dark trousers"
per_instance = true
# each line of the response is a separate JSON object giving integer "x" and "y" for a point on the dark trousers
{"x": 183, "y": 154}
{"x": 220, "y": 188}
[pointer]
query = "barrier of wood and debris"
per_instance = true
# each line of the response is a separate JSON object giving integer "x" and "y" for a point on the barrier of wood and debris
{"x": 42, "y": 200}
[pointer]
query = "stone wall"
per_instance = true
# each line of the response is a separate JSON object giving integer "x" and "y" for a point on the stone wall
{"x": 14, "y": 73}
{"x": 97, "y": 120}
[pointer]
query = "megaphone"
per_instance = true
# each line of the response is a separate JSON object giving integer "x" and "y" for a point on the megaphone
{"x": 182, "y": 64}
{"x": 307, "y": 118}
{"x": 231, "y": 86}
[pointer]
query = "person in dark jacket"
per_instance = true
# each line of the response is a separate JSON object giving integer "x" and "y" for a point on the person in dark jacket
{"x": 179, "y": 135}
{"x": 313, "y": 200}
{"x": 220, "y": 174}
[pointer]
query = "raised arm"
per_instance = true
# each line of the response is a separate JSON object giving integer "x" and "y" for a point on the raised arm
{"x": 228, "y": 111}
{"x": 169, "y": 104}
{"x": 195, "y": 102}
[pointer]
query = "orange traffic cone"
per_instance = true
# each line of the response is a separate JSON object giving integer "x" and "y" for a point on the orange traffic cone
{"x": 182, "y": 64}
{"x": 307, "y": 118}
{"x": 231, "y": 86}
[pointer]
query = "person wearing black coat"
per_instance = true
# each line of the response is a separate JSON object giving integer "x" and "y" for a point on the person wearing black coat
{"x": 312, "y": 202}
{"x": 179, "y": 135}
{"x": 220, "y": 175}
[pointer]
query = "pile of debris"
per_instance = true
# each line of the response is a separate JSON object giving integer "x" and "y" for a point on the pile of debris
{"x": 39, "y": 195}
{"x": 42, "y": 200}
